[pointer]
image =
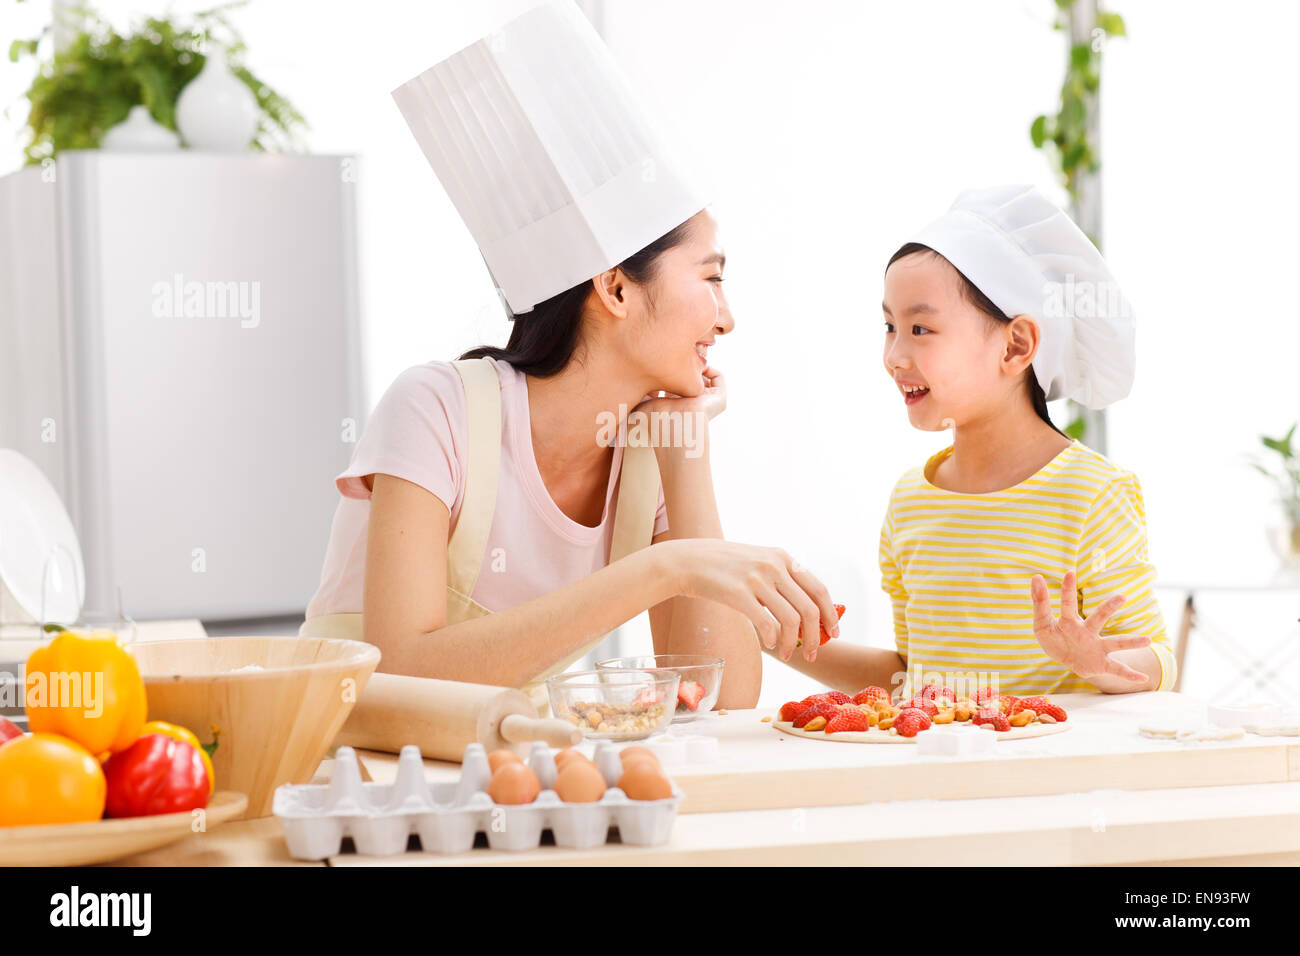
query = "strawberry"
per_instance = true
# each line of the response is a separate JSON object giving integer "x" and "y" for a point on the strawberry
{"x": 646, "y": 698}
{"x": 848, "y": 719}
{"x": 838, "y": 697}
{"x": 920, "y": 703}
{"x": 911, "y": 721}
{"x": 937, "y": 692}
{"x": 991, "y": 715}
{"x": 869, "y": 694}
{"x": 690, "y": 693}
{"x": 1007, "y": 703}
{"x": 984, "y": 695}
{"x": 792, "y": 709}
{"x": 1040, "y": 705}
{"x": 816, "y": 710}
{"x": 839, "y": 613}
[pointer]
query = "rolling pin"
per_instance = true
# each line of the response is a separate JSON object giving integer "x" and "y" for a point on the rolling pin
{"x": 442, "y": 717}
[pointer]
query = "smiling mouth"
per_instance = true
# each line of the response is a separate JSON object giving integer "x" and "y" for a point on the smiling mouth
{"x": 914, "y": 393}
{"x": 703, "y": 352}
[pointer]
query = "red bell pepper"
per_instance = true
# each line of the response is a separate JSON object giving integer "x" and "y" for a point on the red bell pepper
{"x": 156, "y": 774}
{"x": 8, "y": 730}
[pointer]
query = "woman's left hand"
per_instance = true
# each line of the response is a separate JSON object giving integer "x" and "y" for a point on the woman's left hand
{"x": 1077, "y": 643}
{"x": 711, "y": 401}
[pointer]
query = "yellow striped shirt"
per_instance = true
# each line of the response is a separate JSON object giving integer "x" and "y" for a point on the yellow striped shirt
{"x": 957, "y": 568}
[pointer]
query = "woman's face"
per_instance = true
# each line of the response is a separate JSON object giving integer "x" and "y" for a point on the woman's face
{"x": 936, "y": 339}
{"x": 679, "y": 313}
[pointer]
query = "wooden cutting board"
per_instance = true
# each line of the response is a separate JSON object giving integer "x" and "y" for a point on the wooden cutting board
{"x": 760, "y": 768}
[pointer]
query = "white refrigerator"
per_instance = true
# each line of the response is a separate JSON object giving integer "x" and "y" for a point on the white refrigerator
{"x": 179, "y": 354}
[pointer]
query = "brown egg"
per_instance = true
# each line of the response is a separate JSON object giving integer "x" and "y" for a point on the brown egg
{"x": 564, "y": 756}
{"x": 579, "y": 782}
{"x": 628, "y": 752}
{"x": 514, "y": 784}
{"x": 643, "y": 781}
{"x": 497, "y": 757}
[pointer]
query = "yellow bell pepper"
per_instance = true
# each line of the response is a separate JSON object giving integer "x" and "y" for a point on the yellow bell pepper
{"x": 88, "y": 688}
{"x": 177, "y": 732}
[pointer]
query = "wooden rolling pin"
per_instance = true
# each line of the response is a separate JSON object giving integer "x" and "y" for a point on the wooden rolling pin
{"x": 442, "y": 717}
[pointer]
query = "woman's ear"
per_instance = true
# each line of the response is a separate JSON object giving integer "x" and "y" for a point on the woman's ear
{"x": 1022, "y": 336}
{"x": 611, "y": 289}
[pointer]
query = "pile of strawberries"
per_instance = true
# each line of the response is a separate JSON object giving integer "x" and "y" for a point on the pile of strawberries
{"x": 835, "y": 711}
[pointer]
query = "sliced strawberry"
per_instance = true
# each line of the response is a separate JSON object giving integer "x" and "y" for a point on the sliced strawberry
{"x": 817, "y": 710}
{"x": 792, "y": 709}
{"x": 839, "y": 613}
{"x": 838, "y": 697}
{"x": 645, "y": 698}
{"x": 1007, "y": 703}
{"x": 919, "y": 703}
{"x": 937, "y": 692}
{"x": 991, "y": 715}
{"x": 848, "y": 719}
{"x": 911, "y": 721}
{"x": 869, "y": 694}
{"x": 690, "y": 693}
{"x": 1041, "y": 705}
{"x": 984, "y": 695}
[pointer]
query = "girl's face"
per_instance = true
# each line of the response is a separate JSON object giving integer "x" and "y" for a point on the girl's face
{"x": 679, "y": 313}
{"x": 940, "y": 350}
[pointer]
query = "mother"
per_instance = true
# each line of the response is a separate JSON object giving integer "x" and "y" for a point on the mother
{"x": 479, "y": 528}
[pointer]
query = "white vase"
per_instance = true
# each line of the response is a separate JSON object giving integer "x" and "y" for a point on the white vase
{"x": 140, "y": 133}
{"x": 216, "y": 110}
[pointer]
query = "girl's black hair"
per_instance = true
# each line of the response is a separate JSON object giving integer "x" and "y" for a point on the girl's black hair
{"x": 982, "y": 302}
{"x": 542, "y": 342}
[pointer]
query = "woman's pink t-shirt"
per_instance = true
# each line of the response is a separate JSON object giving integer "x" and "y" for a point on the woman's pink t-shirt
{"x": 418, "y": 432}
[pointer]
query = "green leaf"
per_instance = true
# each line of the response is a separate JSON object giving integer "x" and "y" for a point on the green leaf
{"x": 53, "y": 628}
{"x": 1038, "y": 131}
{"x": 1112, "y": 23}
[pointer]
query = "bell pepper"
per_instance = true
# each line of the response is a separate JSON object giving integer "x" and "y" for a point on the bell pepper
{"x": 177, "y": 732}
{"x": 156, "y": 774}
{"x": 86, "y": 687}
{"x": 8, "y": 730}
{"x": 45, "y": 778}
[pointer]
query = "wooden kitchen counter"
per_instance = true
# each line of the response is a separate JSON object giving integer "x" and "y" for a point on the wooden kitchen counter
{"x": 1096, "y": 794}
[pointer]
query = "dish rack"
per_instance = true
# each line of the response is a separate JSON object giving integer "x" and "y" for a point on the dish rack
{"x": 447, "y": 817}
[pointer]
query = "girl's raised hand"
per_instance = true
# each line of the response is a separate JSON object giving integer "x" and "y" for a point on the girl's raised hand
{"x": 1077, "y": 643}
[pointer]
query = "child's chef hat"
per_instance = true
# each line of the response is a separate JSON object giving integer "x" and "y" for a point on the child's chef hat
{"x": 1029, "y": 258}
{"x": 546, "y": 154}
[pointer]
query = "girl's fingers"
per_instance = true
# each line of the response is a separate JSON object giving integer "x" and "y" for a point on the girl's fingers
{"x": 1043, "y": 619}
{"x": 1123, "y": 670}
{"x": 1069, "y": 598}
{"x": 1097, "y": 619}
{"x": 1125, "y": 642}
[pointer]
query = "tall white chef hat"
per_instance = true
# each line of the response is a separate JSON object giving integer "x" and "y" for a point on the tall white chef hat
{"x": 546, "y": 154}
{"x": 1029, "y": 258}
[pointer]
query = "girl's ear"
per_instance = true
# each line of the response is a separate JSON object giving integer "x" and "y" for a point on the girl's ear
{"x": 1022, "y": 336}
{"x": 611, "y": 288}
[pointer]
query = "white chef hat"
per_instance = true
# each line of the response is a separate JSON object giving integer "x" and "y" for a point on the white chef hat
{"x": 546, "y": 154}
{"x": 1029, "y": 258}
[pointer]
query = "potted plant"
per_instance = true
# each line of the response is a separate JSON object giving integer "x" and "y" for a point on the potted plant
{"x": 1286, "y": 475}
{"x": 85, "y": 88}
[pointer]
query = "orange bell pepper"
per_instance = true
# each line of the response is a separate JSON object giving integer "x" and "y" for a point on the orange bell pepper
{"x": 177, "y": 732}
{"x": 87, "y": 688}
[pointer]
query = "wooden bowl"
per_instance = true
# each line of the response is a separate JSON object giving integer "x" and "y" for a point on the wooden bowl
{"x": 277, "y": 718}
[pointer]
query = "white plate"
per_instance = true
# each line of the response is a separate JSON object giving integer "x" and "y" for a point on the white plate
{"x": 35, "y": 529}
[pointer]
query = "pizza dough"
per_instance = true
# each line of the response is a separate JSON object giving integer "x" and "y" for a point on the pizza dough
{"x": 1182, "y": 732}
{"x": 875, "y": 736}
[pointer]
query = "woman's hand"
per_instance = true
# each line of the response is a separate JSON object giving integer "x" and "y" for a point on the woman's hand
{"x": 711, "y": 401}
{"x": 1077, "y": 643}
{"x": 783, "y": 600}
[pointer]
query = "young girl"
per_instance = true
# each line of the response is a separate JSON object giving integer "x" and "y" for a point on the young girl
{"x": 996, "y": 308}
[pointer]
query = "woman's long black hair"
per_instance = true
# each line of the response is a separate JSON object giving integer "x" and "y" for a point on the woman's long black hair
{"x": 543, "y": 341}
{"x": 982, "y": 302}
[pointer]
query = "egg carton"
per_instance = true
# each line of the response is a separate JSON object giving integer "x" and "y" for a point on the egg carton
{"x": 447, "y": 817}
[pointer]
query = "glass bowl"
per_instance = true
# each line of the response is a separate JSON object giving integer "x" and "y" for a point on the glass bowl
{"x": 625, "y": 704}
{"x": 695, "y": 669}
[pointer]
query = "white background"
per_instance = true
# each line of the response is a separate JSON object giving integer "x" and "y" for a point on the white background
{"x": 831, "y": 131}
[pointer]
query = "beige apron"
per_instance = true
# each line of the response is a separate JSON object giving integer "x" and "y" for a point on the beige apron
{"x": 634, "y": 516}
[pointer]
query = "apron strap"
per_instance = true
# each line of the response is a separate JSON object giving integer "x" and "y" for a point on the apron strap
{"x": 468, "y": 541}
